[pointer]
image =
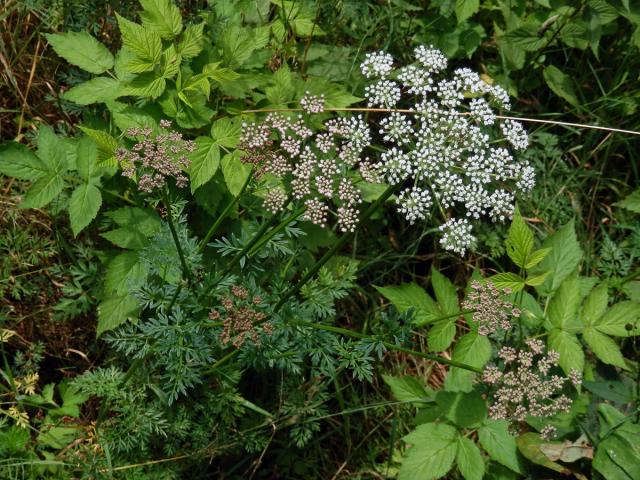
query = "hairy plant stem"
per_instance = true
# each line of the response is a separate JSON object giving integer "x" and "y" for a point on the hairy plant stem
{"x": 202, "y": 245}
{"x": 185, "y": 269}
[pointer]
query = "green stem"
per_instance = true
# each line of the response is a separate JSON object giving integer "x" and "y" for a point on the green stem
{"x": 223, "y": 215}
{"x": 389, "y": 346}
{"x": 331, "y": 252}
{"x": 276, "y": 230}
{"x": 256, "y": 238}
{"x": 185, "y": 269}
{"x": 316, "y": 267}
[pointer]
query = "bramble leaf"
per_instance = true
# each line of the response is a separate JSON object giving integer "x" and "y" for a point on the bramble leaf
{"x": 469, "y": 459}
{"x": 205, "y": 161}
{"x": 433, "y": 451}
{"x": 162, "y": 16}
{"x": 82, "y": 50}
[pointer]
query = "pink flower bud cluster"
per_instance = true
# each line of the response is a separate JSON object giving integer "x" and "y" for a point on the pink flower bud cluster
{"x": 526, "y": 384}
{"x": 156, "y": 158}
{"x": 315, "y": 169}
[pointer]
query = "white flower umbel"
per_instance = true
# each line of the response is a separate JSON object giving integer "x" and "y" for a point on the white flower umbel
{"x": 454, "y": 156}
{"x": 377, "y": 64}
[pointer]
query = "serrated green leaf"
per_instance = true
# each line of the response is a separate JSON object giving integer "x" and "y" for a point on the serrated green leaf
{"x": 407, "y": 389}
{"x": 147, "y": 85}
{"x": 144, "y": 220}
{"x": 508, "y": 280}
{"x": 123, "y": 273}
{"x": 563, "y": 259}
{"x": 106, "y": 144}
{"x": 115, "y": 311}
{"x": 86, "y": 158}
{"x": 84, "y": 206}
{"x": 526, "y": 37}
{"x": 143, "y": 42}
{"x": 595, "y": 305}
{"x": 410, "y": 295}
{"x": 495, "y": 438}
{"x": 536, "y": 257}
{"x": 192, "y": 41}
{"x": 131, "y": 117}
{"x": 205, "y": 160}
{"x": 563, "y": 307}
{"x": 433, "y": 450}
{"x": 445, "y": 292}
{"x": 621, "y": 320}
{"x": 466, "y": 410}
{"x": 569, "y": 348}
{"x": 469, "y": 459}
{"x": 535, "y": 280}
{"x": 126, "y": 237}
{"x": 170, "y": 62}
{"x": 82, "y": 50}
{"x": 441, "y": 335}
{"x": 235, "y": 172}
{"x": 519, "y": 242}
{"x": 561, "y": 84}
{"x": 605, "y": 348}
{"x": 16, "y": 160}
{"x": 162, "y": 16}
{"x": 96, "y": 90}
{"x": 226, "y": 132}
{"x": 465, "y": 9}
{"x": 43, "y": 191}
{"x": 474, "y": 350}
{"x": 632, "y": 201}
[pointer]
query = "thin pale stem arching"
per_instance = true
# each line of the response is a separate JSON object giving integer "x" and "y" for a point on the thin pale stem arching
{"x": 502, "y": 117}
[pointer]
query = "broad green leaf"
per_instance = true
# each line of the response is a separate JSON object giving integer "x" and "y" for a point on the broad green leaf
{"x": 519, "y": 242}
{"x": 469, "y": 459}
{"x": 495, "y": 438}
{"x": 226, "y": 132}
{"x": 84, "y": 206}
{"x": 235, "y": 172}
{"x": 192, "y": 41}
{"x": 569, "y": 348}
{"x": 564, "y": 257}
{"x": 144, "y": 220}
{"x": 621, "y": 320}
{"x": 131, "y": 117}
{"x": 632, "y": 202}
{"x": 617, "y": 456}
{"x": 82, "y": 50}
{"x": 162, "y": 16}
{"x": 106, "y": 144}
{"x": 143, "y": 42}
{"x": 43, "y": 191}
{"x": 535, "y": 280}
{"x": 170, "y": 63}
{"x": 561, "y": 84}
{"x": 474, "y": 350}
{"x": 441, "y": 334}
{"x": 529, "y": 445}
{"x": 114, "y": 311}
{"x": 526, "y": 37}
{"x": 96, "y": 90}
{"x": 536, "y": 257}
{"x": 595, "y": 305}
{"x": 54, "y": 151}
{"x": 16, "y": 160}
{"x": 56, "y": 437}
{"x": 126, "y": 237}
{"x": 410, "y": 295}
{"x": 466, "y": 8}
{"x": 86, "y": 158}
{"x": 466, "y": 410}
{"x": 72, "y": 398}
{"x": 205, "y": 160}
{"x": 237, "y": 45}
{"x": 508, "y": 280}
{"x": 445, "y": 292}
{"x": 605, "y": 348}
{"x": 407, "y": 389}
{"x": 147, "y": 85}
{"x": 124, "y": 272}
{"x": 433, "y": 450}
{"x": 563, "y": 307}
